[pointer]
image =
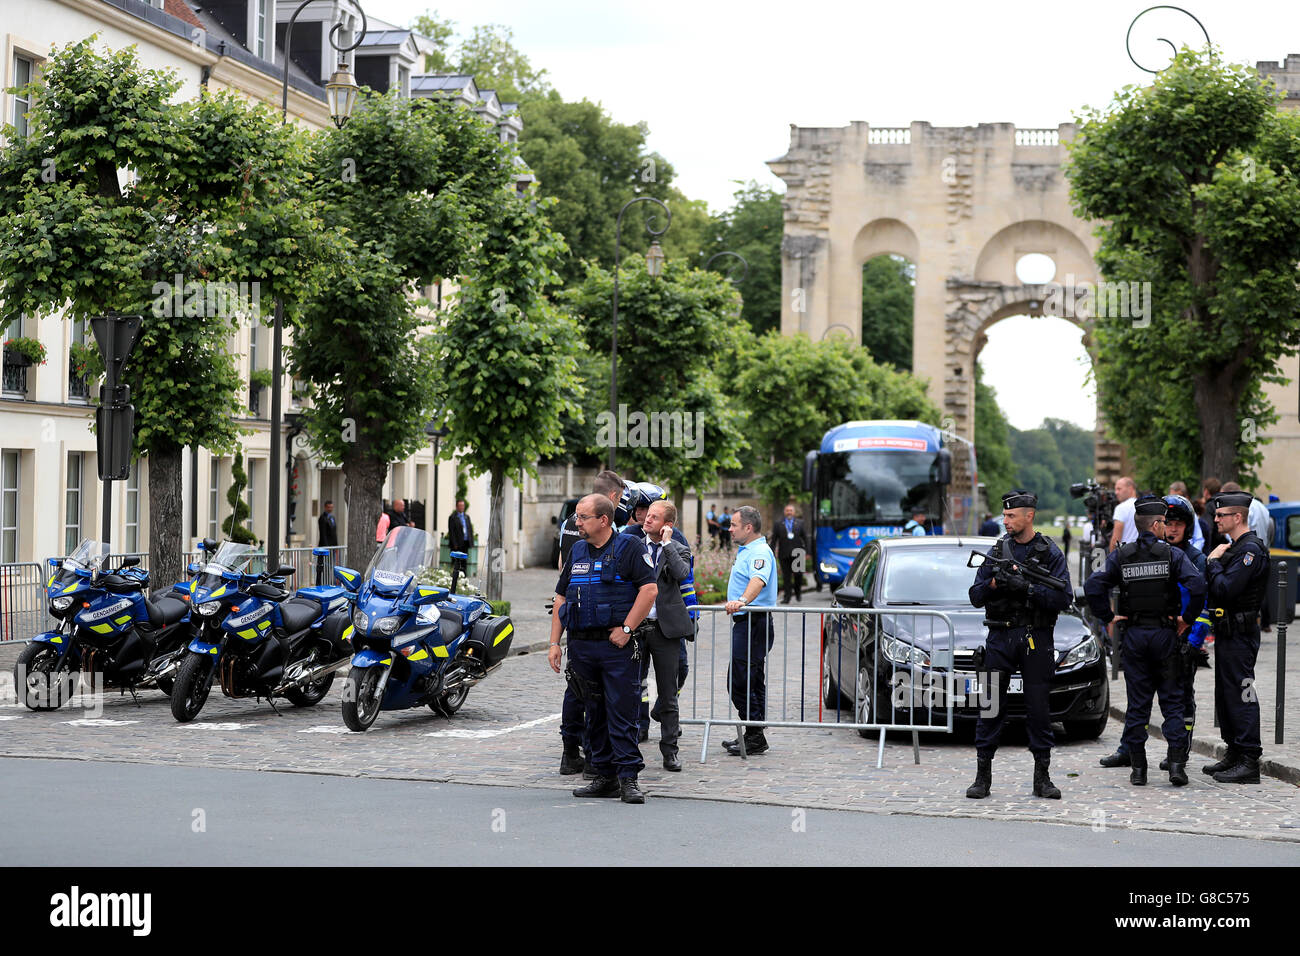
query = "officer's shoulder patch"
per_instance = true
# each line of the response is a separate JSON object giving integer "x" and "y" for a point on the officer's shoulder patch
{"x": 646, "y": 559}
{"x": 759, "y": 563}
{"x": 1247, "y": 558}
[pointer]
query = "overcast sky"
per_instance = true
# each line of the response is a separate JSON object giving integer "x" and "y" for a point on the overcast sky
{"x": 720, "y": 83}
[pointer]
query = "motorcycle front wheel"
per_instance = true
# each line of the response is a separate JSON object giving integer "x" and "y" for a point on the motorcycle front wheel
{"x": 38, "y": 677}
{"x": 190, "y": 692}
{"x": 360, "y": 702}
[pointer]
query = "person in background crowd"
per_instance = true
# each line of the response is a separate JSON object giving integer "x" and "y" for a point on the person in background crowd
{"x": 385, "y": 519}
{"x": 990, "y": 528}
{"x": 1065, "y": 539}
{"x": 791, "y": 546}
{"x": 460, "y": 534}
{"x": 916, "y": 527}
{"x": 712, "y": 518}
{"x": 328, "y": 536}
{"x": 1210, "y": 487}
{"x": 724, "y": 529}
{"x": 1125, "y": 528}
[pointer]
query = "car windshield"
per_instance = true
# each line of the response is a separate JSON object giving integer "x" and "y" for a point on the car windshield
{"x": 90, "y": 555}
{"x": 927, "y": 576}
{"x": 405, "y": 552}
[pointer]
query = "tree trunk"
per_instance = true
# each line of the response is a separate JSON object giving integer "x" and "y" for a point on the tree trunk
{"x": 496, "y": 521}
{"x": 364, "y": 477}
{"x": 1218, "y": 400}
{"x": 166, "y": 516}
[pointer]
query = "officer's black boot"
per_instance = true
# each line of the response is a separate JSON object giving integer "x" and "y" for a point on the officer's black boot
{"x": 1043, "y": 786}
{"x": 572, "y": 761}
{"x": 1229, "y": 760}
{"x": 1118, "y": 759}
{"x": 1138, "y": 775}
{"x": 1164, "y": 763}
{"x": 1176, "y": 764}
{"x": 629, "y": 791}
{"x": 600, "y": 787}
{"x": 1245, "y": 770}
{"x": 983, "y": 778}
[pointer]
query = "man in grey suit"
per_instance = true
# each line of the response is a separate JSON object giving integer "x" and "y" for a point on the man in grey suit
{"x": 668, "y": 622}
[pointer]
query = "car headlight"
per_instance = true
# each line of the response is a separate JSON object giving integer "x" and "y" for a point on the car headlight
{"x": 360, "y": 621}
{"x": 828, "y": 568}
{"x": 1085, "y": 652}
{"x": 61, "y": 603}
{"x": 900, "y": 652}
{"x": 208, "y": 608}
{"x": 387, "y": 625}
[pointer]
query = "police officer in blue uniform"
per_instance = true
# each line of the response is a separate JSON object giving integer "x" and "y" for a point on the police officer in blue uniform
{"x": 752, "y": 584}
{"x": 604, "y": 593}
{"x": 1237, "y": 575}
{"x": 1020, "y": 616}
{"x": 1158, "y": 586}
{"x": 1180, "y": 520}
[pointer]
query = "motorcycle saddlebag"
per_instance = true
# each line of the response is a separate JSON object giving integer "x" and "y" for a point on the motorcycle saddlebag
{"x": 489, "y": 639}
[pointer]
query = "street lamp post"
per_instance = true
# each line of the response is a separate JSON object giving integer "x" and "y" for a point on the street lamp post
{"x": 341, "y": 92}
{"x": 654, "y": 261}
{"x": 436, "y": 431}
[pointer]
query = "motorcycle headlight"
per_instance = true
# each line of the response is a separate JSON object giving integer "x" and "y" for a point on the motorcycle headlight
{"x": 387, "y": 625}
{"x": 1085, "y": 652}
{"x": 61, "y": 603}
{"x": 208, "y": 608}
{"x": 901, "y": 652}
{"x": 360, "y": 621}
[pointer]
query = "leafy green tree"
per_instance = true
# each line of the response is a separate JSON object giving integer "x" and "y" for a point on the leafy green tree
{"x": 672, "y": 332}
{"x": 796, "y": 389}
{"x": 992, "y": 449}
{"x": 510, "y": 364}
{"x": 1197, "y": 181}
{"x": 217, "y": 194}
{"x": 888, "y": 288}
{"x": 415, "y": 184}
{"x": 753, "y": 228}
{"x": 233, "y": 527}
{"x": 440, "y": 31}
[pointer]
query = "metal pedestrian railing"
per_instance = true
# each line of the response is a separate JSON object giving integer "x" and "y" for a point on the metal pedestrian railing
{"x": 22, "y": 602}
{"x": 865, "y": 669}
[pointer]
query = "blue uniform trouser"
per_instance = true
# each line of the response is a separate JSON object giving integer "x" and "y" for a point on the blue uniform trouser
{"x": 1006, "y": 650}
{"x": 752, "y": 636}
{"x": 683, "y": 667}
{"x": 1234, "y": 691}
{"x": 573, "y": 721}
{"x": 1151, "y": 667}
{"x": 612, "y": 716}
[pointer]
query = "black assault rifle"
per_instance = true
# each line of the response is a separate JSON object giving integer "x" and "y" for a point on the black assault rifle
{"x": 1008, "y": 566}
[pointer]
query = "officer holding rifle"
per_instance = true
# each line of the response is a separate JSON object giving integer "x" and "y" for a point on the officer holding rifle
{"x": 1023, "y": 583}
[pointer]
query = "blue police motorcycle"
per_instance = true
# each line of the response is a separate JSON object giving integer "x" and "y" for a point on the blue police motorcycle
{"x": 107, "y": 628}
{"x": 416, "y": 644}
{"x": 255, "y": 640}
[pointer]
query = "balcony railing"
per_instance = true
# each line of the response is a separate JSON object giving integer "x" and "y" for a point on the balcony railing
{"x": 15, "y": 381}
{"x": 78, "y": 387}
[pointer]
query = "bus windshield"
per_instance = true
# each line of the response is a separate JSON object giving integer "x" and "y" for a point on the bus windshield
{"x": 875, "y": 486}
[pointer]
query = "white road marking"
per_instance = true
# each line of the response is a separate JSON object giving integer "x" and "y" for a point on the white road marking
{"x": 330, "y": 729}
{"x": 482, "y": 734}
{"x": 11, "y": 717}
{"x": 208, "y": 726}
{"x": 99, "y": 722}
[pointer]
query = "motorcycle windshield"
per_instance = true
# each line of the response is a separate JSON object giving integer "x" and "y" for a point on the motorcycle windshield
{"x": 405, "y": 553}
{"x": 230, "y": 557}
{"x": 90, "y": 554}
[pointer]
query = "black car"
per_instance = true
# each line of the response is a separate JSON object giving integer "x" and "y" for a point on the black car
{"x": 896, "y": 668}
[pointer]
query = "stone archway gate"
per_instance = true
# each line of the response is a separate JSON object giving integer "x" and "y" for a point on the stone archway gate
{"x": 963, "y": 204}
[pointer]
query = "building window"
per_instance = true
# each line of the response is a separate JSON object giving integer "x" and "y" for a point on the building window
{"x": 261, "y": 27}
{"x": 72, "y": 503}
{"x": 133, "y": 509}
{"x": 24, "y": 68}
{"x": 404, "y": 81}
{"x": 214, "y": 472}
{"x": 254, "y": 392}
{"x": 9, "y": 507}
{"x": 78, "y": 386}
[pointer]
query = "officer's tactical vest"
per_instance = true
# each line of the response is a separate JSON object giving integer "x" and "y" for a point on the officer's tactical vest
{"x": 1015, "y": 610}
{"x": 1147, "y": 590}
{"x": 597, "y": 597}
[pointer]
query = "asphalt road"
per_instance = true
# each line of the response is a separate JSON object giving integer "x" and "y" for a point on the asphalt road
{"x": 130, "y": 814}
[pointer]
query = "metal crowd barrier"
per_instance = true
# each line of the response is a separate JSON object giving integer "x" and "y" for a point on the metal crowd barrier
{"x": 795, "y": 672}
{"x": 22, "y": 601}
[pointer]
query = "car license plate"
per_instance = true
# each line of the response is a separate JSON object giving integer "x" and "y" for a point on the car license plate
{"x": 972, "y": 686}
{"x": 1016, "y": 685}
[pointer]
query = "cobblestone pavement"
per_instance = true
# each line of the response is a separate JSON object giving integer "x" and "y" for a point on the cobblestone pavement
{"x": 507, "y": 734}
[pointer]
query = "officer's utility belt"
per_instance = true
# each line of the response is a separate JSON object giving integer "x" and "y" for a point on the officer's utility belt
{"x": 596, "y": 635}
{"x": 1232, "y": 622}
{"x": 1151, "y": 620}
{"x": 646, "y": 628}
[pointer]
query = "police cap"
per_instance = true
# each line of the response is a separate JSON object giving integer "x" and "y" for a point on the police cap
{"x": 1233, "y": 499}
{"x": 1020, "y": 499}
{"x": 1151, "y": 506}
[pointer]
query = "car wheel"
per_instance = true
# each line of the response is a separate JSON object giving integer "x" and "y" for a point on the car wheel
{"x": 864, "y": 708}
